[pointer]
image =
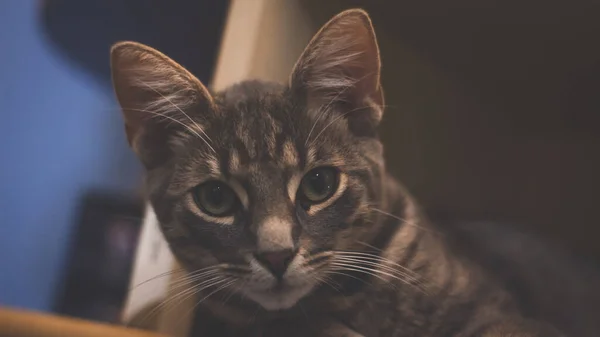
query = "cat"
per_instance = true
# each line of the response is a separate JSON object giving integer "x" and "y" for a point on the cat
{"x": 276, "y": 200}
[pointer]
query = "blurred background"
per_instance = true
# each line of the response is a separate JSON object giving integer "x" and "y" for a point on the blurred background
{"x": 494, "y": 114}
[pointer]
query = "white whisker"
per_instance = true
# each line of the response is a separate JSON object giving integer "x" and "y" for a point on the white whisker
{"x": 326, "y": 280}
{"x": 407, "y": 222}
{"x": 184, "y": 294}
{"x": 169, "y": 118}
{"x": 323, "y": 110}
{"x": 168, "y": 273}
{"x": 377, "y": 258}
{"x": 234, "y": 291}
{"x": 189, "y": 280}
{"x": 330, "y": 123}
{"x": 338, "y": 272}
{"x": 185, "y": 114}
{"x": 360, "y": 260}
{"x": 228, "y": 282}
{"x": 399, "y": 275}
{"x": 364, "y": 270}
{"x": 375, "y": 273}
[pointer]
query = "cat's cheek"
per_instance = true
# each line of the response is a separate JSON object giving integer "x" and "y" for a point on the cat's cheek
{"x": 214, "y": 237}
{"x": 324, "y": 227}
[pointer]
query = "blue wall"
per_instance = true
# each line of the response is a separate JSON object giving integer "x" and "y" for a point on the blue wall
{"x": 60, "y": 135}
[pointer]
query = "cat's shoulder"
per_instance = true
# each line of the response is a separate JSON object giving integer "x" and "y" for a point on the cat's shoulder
{"x": 548, "y": 280}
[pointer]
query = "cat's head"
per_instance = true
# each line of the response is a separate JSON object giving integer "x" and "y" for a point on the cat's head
{"x": 260, "y": 185}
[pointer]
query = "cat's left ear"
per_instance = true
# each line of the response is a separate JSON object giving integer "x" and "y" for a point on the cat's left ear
{"x": 341, "y": 65}
{"x": 158, "y": 98}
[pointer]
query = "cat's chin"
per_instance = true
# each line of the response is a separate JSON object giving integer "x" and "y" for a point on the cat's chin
{"x": 274, "y": 300}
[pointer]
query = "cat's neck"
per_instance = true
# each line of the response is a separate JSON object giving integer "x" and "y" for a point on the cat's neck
{"x": 416, "y": 244}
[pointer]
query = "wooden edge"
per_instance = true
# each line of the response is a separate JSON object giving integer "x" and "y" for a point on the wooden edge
{"x": 17, "y": 323}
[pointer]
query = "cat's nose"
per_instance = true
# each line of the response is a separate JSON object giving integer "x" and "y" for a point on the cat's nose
{"x": 276, "y": 262}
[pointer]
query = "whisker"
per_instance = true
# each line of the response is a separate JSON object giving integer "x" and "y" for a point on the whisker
{"x": 173, "y": 120}
{"x": 168, "y": 273}
{"x": 407, "y": 222}
{"x": 399, "y": 275}
{"x": 369, "y": 245}
{"x": 326, "y": 280}
{"x": 361, "y": 260}
{"x": 374, "y": 272}
{"x": 233, "y": 292}
{"x": 326, "y": 107}
{"x": 333, "y": 121}
{"x": 324, "y": 110}
{"x": 320, "y": 258}
{"x": 378, "y": 258}
{"x": 364, "y": 270}
{"x": 317, "y": 261}
{"x": 189, "y": 280}
{"x": 185, "y": 114}
{"x": 183, "y": 295}
{"x": 386, "y": 260}
{"x": 194, "y": 292}
{"x": 228, "y": 282}
{"x": 373, "y": 260}
{"x": 195, "y": 272}
{"x": 336, "y": 119}
{"x": 337, "y": 272}
{"x": 166, "y": 301}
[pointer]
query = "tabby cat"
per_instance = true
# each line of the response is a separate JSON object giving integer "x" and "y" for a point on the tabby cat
{"x": 276, "y": 200}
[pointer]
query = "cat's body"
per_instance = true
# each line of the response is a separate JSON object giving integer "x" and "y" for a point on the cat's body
{"x": 276, "y": 199}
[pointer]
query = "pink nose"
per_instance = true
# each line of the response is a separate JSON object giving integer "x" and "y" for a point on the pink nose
{"x": 276, "y": 262}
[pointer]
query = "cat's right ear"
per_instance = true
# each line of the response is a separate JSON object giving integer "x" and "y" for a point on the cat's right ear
{"x": 157, "y": 96}
{"x": 341, "y": 65}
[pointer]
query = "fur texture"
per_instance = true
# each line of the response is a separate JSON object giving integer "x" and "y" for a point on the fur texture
{"x": 364, "y": 261}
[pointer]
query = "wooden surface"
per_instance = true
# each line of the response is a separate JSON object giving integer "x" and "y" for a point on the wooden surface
{"x": 16, "y": 323}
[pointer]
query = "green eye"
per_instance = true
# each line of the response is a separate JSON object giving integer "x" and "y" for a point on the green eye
{"x": 319, "y": 184}
{"x": 215, "y": 198}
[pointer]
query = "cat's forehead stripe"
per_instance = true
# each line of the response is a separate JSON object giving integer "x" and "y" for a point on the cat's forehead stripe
{"x": 290, "y": 154}
{"x": 311, "y": 155}
{"x": 213, "y": 165}
{"x": 272, "y": 129}
{"x": 234, "y": 161}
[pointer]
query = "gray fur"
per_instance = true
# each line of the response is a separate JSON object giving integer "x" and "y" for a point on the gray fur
{"x": 367, "y": 261}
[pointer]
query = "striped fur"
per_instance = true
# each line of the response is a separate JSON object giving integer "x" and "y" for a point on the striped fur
{"x": 369, "y": 263}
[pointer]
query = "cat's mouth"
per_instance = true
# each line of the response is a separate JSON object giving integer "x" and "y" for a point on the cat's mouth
{"x": 280, "y": 288}
{"x": 280, "y": 296}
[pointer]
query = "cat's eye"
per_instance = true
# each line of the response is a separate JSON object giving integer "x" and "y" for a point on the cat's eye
{"x": 319, "y": 184}
{"x": 215, "y": 198}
